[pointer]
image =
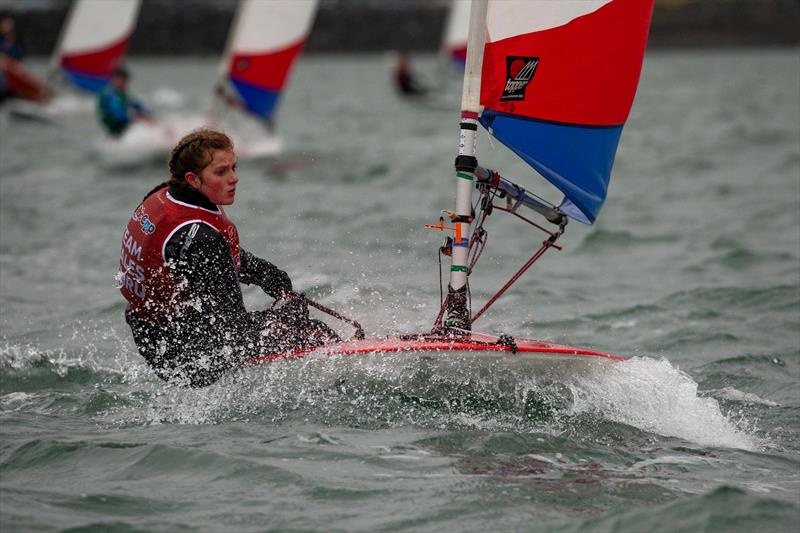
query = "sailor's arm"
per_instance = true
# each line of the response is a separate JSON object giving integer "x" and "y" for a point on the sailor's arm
{"x": 199, "y": 254}
{"x": 256, "y": 271}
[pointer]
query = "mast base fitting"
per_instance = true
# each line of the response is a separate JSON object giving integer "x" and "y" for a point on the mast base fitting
{"x": 466, "y": 163}
{"x": 456, "y": 311}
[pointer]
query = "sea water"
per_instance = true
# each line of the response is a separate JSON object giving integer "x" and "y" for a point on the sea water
{"x": 692, "y": 272}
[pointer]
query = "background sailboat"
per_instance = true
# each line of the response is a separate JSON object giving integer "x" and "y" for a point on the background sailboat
{"x": 442, "y": 93}
{"x": 453, "y": 50}
{"x": 264, "y": 42}
{"x": 93, "y": 42}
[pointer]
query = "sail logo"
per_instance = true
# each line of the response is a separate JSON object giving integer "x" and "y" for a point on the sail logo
{"x": 519, "y": 73}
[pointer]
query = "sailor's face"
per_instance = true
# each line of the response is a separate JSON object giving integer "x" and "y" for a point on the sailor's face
{"x": 120, "y": 83}
{"x": 218, "y": 179}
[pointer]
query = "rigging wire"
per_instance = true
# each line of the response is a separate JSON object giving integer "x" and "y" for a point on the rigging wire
{"x": 485, "y": 205}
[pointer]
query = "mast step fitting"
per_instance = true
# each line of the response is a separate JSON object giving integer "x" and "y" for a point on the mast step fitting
{"x": 457, "y": 313}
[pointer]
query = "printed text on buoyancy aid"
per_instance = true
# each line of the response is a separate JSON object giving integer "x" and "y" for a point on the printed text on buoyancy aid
{"x": 133, "y": 272}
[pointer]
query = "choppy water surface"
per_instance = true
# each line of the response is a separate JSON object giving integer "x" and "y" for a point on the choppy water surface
{"x": 692, "y": 271}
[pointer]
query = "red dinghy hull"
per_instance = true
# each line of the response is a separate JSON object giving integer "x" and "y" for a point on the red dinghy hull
{"x": 429, "y": 344}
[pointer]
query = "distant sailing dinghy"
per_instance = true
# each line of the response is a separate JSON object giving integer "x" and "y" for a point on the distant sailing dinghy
{"x": 27, "y": 98}
{"x": 554, "y": 81}
{"x": 264, "y": 42}
{"x": 451, "y": 57}
{"x": 93, "y": 42}
{"x": 453, "y": 50}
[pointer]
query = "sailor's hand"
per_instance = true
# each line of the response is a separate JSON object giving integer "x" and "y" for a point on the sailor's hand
{"x": 277, "y": 284}
{"x": 291, "y": 309}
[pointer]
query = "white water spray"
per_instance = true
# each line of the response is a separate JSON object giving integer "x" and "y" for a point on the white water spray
{"x": 657, "y": 397}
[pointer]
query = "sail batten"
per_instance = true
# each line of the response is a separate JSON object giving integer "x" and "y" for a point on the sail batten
{"x": 558, "y": 82}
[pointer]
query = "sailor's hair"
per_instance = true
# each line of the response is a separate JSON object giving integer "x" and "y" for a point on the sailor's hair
{"x": 120, "y": 72}
{"x": 194, "y": 152}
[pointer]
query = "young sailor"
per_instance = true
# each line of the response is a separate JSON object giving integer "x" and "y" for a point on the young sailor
{"x": 15, "y": 80}
{"x": 10, "y": 44}
{"x": 405, "y": 81}
{"x": 180, "y": 269}
{"x": 116, "y": 108}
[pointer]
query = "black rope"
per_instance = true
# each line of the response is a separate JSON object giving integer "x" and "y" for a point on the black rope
{"x": 441, "y": 290}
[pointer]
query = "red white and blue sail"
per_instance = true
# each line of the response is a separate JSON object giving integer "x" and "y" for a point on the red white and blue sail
{"x": 94, "y": 41}
{"x": 265, "y": 40}
{"x": 558, "y": 81}
{"x": 456, "y": 32}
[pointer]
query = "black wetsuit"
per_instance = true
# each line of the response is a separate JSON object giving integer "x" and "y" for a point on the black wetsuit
{"x": 215, "y": 332}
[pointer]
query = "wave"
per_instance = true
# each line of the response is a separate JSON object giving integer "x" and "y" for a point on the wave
{"x": 723, "y": 509}
{"x": 602, "y": 239}
{"x": 656, "y": 397}
{"x": 28, "y": 367}
{"x": 451, "y": 392}
{"x": 733, "y": 297}
{"x": 735, "y": 395}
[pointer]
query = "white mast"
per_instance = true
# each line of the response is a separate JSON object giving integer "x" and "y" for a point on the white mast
{"x": 457, "y": 312}
{"x": 218, "y": 101}
{"x": 55, "y": 57}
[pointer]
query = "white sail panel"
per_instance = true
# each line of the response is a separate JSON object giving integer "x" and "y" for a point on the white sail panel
{"x": 507, "y": 18}
{"x": 263, "y": 26}
{"x": 457, "y": 28}
{"x": 96, "y": 24}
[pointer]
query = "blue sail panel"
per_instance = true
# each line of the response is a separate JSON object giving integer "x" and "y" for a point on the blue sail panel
{"x": 86, "y": 82}
{"x": 257, "y": 100}
{"x": 575, "y": 159}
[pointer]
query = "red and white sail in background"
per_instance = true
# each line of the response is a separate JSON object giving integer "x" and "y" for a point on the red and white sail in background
{"x": 454, "y": 43}
{"x": 94, "y": 41}
{"x": 265, "y": 40}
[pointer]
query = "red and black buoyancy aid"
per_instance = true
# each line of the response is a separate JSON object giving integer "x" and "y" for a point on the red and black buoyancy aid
{"x": 145, "y": 280}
